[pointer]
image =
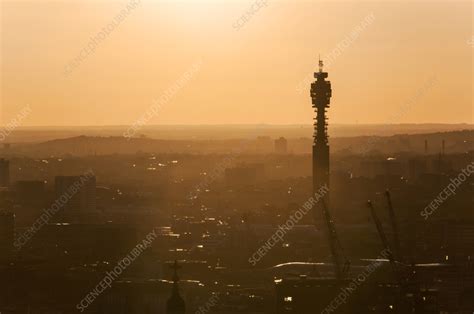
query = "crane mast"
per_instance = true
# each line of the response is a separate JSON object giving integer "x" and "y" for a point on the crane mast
{"x": 384, "y": 240}
{"x": 396, "y": 240}
{"x": 341, "y": 263}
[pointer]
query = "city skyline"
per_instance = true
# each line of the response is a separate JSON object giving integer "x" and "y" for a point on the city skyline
{"x": 241, "y": 156}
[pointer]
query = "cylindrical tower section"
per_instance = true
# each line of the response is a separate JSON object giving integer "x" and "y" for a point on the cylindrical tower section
{"x": 321, "y": 95}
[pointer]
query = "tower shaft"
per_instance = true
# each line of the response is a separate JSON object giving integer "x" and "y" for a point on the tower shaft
{"x": 320, "y": 94}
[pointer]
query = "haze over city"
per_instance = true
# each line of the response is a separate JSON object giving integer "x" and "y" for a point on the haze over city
{"x": 241, "y": 156}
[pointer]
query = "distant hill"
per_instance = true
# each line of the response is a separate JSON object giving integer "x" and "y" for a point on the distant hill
{"x": 455, "y": 142}
{"x": 222, "y": 132}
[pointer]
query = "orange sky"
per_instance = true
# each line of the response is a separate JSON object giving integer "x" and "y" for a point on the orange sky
{"x": 411, "y": 64}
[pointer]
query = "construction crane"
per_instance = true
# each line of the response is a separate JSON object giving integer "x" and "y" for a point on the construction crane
{"x": 383, "y": 238}
{"x": 396, "y": 240}
{"x": 341, "y": 263}
{"x": 406, "y": 303}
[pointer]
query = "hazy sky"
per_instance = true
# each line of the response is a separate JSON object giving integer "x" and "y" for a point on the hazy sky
{"x": 411, "y": 63}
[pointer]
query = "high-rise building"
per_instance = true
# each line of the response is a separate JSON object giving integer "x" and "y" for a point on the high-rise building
{"x": 4, "y": 172}
{"x": 83, "y": 199}
{"x": 281, "y": 145}
{"x": 7, "y": 236}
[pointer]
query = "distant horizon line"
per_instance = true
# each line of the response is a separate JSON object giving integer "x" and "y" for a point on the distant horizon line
{"x": 244, "y": 125}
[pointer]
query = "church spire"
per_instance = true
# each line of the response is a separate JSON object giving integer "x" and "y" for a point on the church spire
{"x": 175, "y": 304}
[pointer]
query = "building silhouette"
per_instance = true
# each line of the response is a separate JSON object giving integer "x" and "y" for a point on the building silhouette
{"x": 7, "y": 234}
{"x": 4, "y": 172}
{"x": 281, "y": 145}
{"x": 83, "y": 200}
{"x": 175, "y": 303}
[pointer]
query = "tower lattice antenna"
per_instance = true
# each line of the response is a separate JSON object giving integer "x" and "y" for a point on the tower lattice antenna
{"x": 320, "y": 64}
